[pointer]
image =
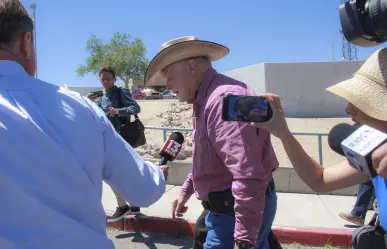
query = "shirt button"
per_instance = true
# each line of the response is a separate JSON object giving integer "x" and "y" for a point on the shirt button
{"x": 226, "y": 203}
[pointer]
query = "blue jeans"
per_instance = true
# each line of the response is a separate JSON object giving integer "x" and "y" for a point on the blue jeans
{"x": 365, "y": 197}
{"x": 221, "y": 227}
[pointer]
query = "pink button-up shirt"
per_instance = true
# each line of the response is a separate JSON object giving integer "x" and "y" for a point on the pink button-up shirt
{"x": 230, "y": 155}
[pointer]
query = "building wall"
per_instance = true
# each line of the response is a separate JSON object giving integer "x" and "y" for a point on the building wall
{"x": 301, "y": 86}
{"x": 253, "y": 76}
{"x": 84, "y": 90}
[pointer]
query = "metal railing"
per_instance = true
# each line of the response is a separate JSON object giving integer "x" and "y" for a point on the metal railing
{"x": 318, "y": 134}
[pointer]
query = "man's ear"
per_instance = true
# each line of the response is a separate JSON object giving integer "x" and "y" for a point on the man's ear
{"x": 26, "y": 44}
{"x": 192, "y": 67}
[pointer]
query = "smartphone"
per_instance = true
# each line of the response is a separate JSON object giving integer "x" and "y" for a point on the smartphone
{"x": 246, "y": 109}
{"x": 98, "y": 93}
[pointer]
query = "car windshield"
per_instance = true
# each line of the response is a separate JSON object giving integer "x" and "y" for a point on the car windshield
{"x": 166, "y": 92}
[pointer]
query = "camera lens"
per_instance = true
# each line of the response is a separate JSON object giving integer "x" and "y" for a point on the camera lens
{"x": 363, "y": 22}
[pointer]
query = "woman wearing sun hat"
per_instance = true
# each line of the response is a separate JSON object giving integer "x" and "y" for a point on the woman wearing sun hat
{"x": 366, "y": 93}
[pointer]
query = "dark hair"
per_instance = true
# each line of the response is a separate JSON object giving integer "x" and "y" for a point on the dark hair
{"x": 107, "y": 70}
{"x": 14, "y": 21}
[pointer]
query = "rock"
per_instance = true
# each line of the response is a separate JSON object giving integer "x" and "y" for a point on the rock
{"x": 157, "y": 146}
{"x": 141, "y": 152}
{"x": 155, "y": 153}
{"x": 176, "y": 124}
{"x": 181, "y": 156}
{"x": 146, "y": 147}
{"x": 179, "y": 115}
{"x": 188, "y": 151}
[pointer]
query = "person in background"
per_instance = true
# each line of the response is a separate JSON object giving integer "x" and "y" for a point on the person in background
{"x": 56, "y": 149}
{"x": 233, "y": 163}
{"x": 117, "y": 113}
{"x": 364, "y": 202}
{"x": 366, "y": 93}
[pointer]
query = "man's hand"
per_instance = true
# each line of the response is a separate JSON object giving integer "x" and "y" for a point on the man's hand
{"x": 112, "y": 111}
{"x": 165, "y": 169}
{"x": 178, "y": 207}
{"x": 91, "y": 96}
{"x": 379, "y": 160}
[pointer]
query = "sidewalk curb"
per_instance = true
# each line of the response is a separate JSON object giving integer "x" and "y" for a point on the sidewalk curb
{"x": 286, "y": 235}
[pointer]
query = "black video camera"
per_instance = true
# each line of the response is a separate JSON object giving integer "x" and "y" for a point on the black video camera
{"x": 364, "y": 22}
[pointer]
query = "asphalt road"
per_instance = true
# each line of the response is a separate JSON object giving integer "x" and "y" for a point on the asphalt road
{"x": 126, "y": 240}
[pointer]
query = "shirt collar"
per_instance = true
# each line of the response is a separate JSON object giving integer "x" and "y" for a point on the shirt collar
{"x": 11, "y": 68}
{"x": 205, "y": 84}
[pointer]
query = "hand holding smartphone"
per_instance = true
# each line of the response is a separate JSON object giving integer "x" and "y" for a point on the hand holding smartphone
{"x": 94, "y": 95}
{"x": 98, "y": 93}
{"x": 246, "y": 109}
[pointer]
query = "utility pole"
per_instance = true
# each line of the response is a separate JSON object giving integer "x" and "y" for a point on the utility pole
{"x": 33, "y": 8}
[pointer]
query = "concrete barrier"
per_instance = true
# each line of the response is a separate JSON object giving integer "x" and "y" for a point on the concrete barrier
{"x": 286, "y": 179}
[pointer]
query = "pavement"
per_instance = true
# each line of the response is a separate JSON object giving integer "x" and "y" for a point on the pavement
{"x": 126, "y": 240}
{"x": 294, "y": 210}
{"x": 304, "y": 218}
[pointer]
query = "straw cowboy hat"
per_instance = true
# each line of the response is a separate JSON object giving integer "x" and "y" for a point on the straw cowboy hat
{"x": 181, "y": 49}
{"x": 367, "y": 89}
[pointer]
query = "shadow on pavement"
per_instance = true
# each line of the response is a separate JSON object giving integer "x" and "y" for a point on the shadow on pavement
{"x": 150, "y": 240}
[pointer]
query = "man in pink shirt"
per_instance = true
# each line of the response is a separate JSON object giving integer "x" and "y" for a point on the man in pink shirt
{"x": 233, "y": 162}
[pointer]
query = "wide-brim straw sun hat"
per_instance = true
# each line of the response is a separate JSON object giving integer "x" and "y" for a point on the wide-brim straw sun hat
{"x": 180, "y": 49}
{"x": 367, "y": 88}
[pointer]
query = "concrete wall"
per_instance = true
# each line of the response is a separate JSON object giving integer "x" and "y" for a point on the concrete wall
{"x": 254, "y": 76}
{"x": 85, "y": 90}
{"x": 301, "y": 86}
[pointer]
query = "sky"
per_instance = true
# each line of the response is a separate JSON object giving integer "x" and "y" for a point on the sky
{"x": 256, "y": 31}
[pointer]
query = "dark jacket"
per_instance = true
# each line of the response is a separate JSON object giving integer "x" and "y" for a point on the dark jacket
{"x": 126, "y": 107}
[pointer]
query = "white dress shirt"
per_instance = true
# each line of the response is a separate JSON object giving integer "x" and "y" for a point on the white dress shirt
{"x": 56, "y": 148}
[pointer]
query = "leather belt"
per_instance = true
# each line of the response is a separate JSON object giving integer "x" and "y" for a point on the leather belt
{"x": 226, "y": 204}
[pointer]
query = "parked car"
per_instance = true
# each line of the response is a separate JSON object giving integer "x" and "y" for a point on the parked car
{"x": 168, "y": 94}
{"x": 138, "y": 93}
{"x": 152, "y": 94}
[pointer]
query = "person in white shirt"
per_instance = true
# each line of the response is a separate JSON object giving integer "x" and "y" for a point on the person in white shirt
{"x": 56, "y": 149}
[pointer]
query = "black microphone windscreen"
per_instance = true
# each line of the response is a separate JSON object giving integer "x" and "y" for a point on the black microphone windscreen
{"x": 177, "y": 137}
{"x": 338, "y": 134}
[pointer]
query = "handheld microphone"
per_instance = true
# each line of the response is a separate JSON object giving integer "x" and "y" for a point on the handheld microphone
{"x": 358, "y": 148}
{"x": 337, "y": 135}
{"x": 171, "y": 148}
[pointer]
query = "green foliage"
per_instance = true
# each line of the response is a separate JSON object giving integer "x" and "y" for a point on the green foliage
{"x": 126, "y": 56}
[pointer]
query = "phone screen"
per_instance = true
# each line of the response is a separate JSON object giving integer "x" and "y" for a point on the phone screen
{"x": 246, "y": 109}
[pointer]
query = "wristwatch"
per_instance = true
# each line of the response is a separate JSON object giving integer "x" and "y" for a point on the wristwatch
{"x": 244, "y": 245}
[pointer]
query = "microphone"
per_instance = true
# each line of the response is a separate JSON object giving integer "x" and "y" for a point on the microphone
{"x": 358, "y": 148}
{"x": 337, "y": 135}
{"x": 171, "y": 148}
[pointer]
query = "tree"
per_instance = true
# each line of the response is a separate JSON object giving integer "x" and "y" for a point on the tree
{"x": 126, "y": 56}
